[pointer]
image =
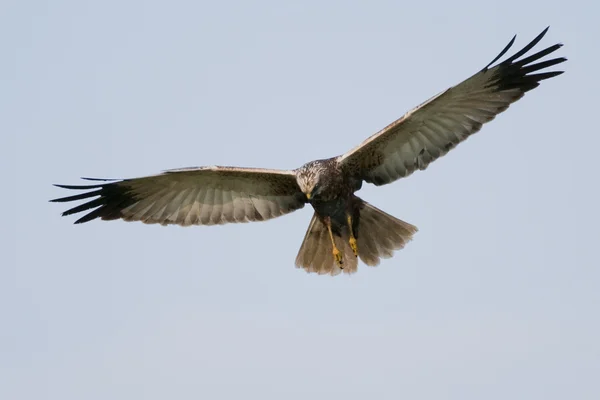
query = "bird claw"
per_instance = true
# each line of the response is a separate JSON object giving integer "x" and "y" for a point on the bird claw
{"x": 352, "y": 240}
{"x": 354, "y": 245}
{"x": 338, "y": 257}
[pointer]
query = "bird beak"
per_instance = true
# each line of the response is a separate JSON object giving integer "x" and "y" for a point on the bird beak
{"x": 308, "y": 195}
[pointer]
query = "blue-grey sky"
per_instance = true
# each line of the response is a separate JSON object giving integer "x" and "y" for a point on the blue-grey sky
{"x": 497, "y": 296}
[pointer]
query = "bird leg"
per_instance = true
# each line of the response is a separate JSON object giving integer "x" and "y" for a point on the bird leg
{"x": 352, "y": 240}
{"x": 337, "y": 255}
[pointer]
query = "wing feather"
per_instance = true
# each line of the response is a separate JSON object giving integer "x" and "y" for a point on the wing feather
{"x": 435, "y": 127}
{"x": 192, "y": 196}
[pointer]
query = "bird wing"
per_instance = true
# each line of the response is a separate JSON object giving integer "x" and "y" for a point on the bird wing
{"x": 433, "y": 128}
{"x": 192, "y": 196}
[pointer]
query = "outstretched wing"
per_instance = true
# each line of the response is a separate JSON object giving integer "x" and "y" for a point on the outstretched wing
{"x": 192, "y": 196}
{"x": 432, "y": 129}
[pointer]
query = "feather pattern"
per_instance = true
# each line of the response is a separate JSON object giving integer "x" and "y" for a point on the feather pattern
{"x": 192, "y": 196}
{"x": 435, "y": 127}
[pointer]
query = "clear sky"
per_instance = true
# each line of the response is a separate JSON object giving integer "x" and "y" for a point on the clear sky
{"x": 496, "y": 298}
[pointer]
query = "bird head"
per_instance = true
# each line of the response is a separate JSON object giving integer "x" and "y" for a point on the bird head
{"x": 308, "y": 177}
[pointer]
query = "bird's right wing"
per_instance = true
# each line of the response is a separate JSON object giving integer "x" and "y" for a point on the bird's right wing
{"x": 432, "y": 129}
{"x": 192, "y": 196}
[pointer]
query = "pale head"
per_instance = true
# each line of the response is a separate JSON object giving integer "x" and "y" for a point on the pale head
{"x": 308, "y": 177}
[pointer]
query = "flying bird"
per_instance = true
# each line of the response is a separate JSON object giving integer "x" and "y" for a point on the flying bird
{"x": 343, "y": 227}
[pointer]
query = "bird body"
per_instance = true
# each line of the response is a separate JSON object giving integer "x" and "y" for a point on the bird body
{"x": 332, "y": 197}
{"x": 344, "y": 228}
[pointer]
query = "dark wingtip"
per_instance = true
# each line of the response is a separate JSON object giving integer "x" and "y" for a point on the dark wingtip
{"x": 113, "y": 197}
{"x": 77, "y": 187}
{"x": 523, "y": 73}
{"x": 83, "y": 220}
{"x": 522, "y": 51}
{"x": 541, "y": 35}
{"x": 76, "y": 197}
{"x": 101, "y": 179}
{"x": 506, "y": 48}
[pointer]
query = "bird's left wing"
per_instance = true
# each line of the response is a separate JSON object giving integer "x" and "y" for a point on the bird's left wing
{"x": 432, "y": 129}
{"x": 192, "y": 196}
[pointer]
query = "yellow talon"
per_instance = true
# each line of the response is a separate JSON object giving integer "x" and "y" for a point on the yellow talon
{"x": 354, "y": 245}
{"x": 338, "y": 257}
{"x": 352, "y": 240}
{"x": 336, "y": 253}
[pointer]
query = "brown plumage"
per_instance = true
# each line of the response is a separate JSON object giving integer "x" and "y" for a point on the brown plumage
{"x": 344, "y": 227}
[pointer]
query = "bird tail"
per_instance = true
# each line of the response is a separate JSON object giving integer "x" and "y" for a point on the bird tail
{"x": 316, "y": 251}
{"x": 379, "y": 234}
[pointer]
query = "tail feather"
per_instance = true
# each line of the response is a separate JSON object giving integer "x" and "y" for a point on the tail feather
{"x": 380, "y": 234}
{"x": 316, "y": 254}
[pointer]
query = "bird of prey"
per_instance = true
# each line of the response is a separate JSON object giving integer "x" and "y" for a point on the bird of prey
{"x": 343, "y": 227}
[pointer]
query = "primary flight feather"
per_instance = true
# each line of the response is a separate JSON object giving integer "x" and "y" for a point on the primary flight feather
{"x": 343, "y": 227}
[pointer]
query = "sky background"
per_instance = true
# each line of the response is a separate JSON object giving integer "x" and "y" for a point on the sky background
{"x": 497, "y": 297}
